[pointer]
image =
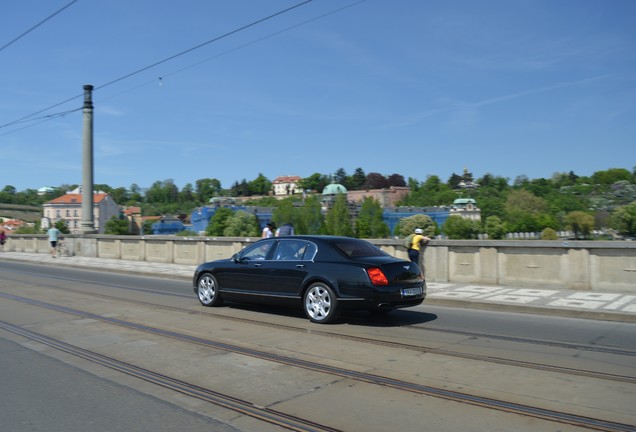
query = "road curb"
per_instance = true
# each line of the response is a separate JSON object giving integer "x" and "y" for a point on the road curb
{"x": 535, "y": 310}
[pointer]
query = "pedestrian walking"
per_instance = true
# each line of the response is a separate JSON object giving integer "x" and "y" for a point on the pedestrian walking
{"x": 54, "y": 235}
{"x": 285, "y": 230}
{"x": 269, "y": 230}
{"x": 3, "y": 239}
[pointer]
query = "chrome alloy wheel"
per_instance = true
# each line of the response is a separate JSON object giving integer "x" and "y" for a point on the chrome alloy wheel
{"x": 207, "y": 290}
{"x": 320, "y": 304}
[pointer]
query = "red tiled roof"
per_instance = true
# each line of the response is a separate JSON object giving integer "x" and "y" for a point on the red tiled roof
{"x": 76, "y": 199}
{"x": 287, "y": 179}
{"x": 132, "y": 210}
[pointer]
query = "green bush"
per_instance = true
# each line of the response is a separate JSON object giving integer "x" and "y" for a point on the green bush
{"x": 549, "y": 234}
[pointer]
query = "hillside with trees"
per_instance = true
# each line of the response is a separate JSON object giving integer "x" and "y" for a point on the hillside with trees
{"x": 566, "y": 201}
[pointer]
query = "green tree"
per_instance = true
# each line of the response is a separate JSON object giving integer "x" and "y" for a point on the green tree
{"x": 408, "y": 224}
{"x": 286, "y": 212}
{"x": 8, "y": 195}
{"x": 611, "y": 176}
{"x": 341, "y": 177}
{"x": 376, "y": 181}
{"x": 311, "y": 220}
{"x": 162, "y": 192}
{"x": 456, "y": 227}
{"x": 136, "y": 194}
{"x": 580, "y": 223}
{"x": 338, "y": 219}
{"x": 549, "y": 234}
{"x": 121, "y": 196}
{"x": 116, "y": 226}
{"x": 494, "y": 182}
{"x": 358, "y": 179}
{"x": 624, "y": 219}
{"x": 454, "y": 180}
{"x": 207, "y": 188}
{"x": 315, "y": 182}
{"x": 146, "y": 227}
{"x": 260, "y": 185}
{"x": 62, "y": 225}
{"x": 187, "y": 195}
{"x": 29, "y": 229}
{"x": 433, "y": 192}
{"x": 396, "y": 180}
{"x": 218, "y": 222}
{"x": 242, "y": 224}
{"x": 369, "y": 223}
{"x": 240, "y": 189}
{"x": 525, "y": 212}
{"x": 495, "y": 228}
{"x": 186, "y": 233}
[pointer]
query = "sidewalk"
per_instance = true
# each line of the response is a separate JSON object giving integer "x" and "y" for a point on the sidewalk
{"x": 610, "y": 306}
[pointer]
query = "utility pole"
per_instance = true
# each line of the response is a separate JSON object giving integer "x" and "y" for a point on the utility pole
{"x": 88, "y": 224}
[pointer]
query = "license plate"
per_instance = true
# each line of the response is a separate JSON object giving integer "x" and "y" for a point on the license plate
{"x": 409, "y": 292}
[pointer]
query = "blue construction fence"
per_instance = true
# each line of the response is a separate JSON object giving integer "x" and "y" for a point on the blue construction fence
{"x": 201, "y": 216}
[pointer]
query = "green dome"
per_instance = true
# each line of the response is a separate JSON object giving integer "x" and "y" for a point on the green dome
{"x": 334, "y": 188}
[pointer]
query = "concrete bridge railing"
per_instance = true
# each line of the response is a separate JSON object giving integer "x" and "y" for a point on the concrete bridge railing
{"x": 578, "y": 265}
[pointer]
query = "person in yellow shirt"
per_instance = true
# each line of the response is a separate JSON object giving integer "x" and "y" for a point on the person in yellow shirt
{"x": 418, "y": 243}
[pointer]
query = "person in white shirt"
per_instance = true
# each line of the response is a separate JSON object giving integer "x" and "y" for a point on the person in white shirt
{"x": 269, "y": 230}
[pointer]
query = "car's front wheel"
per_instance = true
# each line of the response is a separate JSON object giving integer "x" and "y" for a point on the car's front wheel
{"x": 320, "y": 304}
{"x": 208, "y": 291}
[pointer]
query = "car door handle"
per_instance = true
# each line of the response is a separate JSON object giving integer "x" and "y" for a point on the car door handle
{"x": 259, "y": 265}
{"x": 300, "y": 266}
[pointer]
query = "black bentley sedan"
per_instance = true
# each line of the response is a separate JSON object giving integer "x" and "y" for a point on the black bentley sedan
{"x": 324, "y": 274}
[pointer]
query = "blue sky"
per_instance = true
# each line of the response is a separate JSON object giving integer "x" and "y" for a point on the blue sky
{"x": 413, "y": 87}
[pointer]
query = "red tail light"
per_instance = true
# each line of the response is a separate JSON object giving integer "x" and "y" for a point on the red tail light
{"x": 377, "y": 276}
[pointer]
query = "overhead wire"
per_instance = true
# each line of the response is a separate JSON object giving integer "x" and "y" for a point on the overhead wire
{"x": 37, "y": 25}
{"x": 42, "y": 120}
{"x": 154, "y": 80}
{"x": 231, "y": 50}
{"x": 215, "y": 39}
{"x": 204, "y": 44}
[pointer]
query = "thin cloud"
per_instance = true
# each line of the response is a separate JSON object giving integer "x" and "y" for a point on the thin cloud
{"x": 458, "y": 105}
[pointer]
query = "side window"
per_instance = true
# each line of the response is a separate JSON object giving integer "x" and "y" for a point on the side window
{"x": 308, "y": 252}
{"x": 257, "y": 251}
{"x": 286, "y": 251}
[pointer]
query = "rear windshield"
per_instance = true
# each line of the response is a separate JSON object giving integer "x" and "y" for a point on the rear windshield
{"x": 357, "y": 248}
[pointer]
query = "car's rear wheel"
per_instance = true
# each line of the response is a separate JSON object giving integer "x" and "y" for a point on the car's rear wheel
{"x": 320, "y": 304}
{"x": 208, "y": 291}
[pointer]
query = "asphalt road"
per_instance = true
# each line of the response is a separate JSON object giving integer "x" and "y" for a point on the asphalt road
{"x": 45, "y": 389}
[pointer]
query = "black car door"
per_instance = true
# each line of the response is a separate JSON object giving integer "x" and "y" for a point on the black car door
{"x": 248, "y": 270}
{"x": 287, "y": 269}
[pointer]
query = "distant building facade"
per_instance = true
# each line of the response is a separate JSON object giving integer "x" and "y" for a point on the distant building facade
{"x": 68, "y": 208}
{"x": 286, "y": 185}
{"x": 135, "y": 221}
{"x": 388, "y": 197}
{"x": 466, "y": 208}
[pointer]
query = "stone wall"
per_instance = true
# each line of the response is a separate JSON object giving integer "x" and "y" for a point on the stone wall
{"x": 578, "y": 265}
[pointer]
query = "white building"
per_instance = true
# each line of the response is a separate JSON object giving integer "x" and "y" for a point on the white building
{"x": 69, "y": 209}
{"x": 286, "y": 185}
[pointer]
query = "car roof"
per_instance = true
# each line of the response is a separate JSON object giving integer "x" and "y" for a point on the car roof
{"x": 319, "y": 237}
